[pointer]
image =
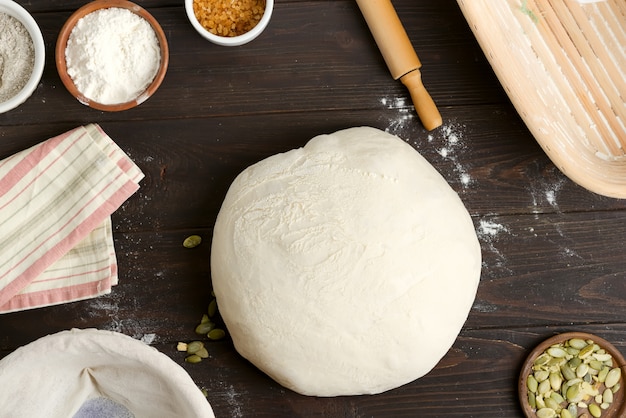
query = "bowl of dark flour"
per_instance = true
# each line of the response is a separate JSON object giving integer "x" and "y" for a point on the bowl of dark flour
{"x": 22, "y": 55}
{"x": 111, "y": 55}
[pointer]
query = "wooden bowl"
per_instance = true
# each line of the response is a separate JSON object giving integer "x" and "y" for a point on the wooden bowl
{"x": 62, "y": 45}
{"x": 617, "y": 408}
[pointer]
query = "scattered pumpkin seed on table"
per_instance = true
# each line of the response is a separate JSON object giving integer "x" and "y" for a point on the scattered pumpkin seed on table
{"x": 571, "y": 377}
{"x": 196, "y": 350}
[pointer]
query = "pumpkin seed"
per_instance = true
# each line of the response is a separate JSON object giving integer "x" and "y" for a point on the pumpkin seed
{"x": 577, "y": 343}
{"x": 557, "y": 397}
{"x": 204, "y": 327}
{"x": 582, "y": 370}
{"x": 212, "y": 308}
{"x": 555, "y": 381}
{"x": 586, "y": 352}
{"x": 612, "y": 377}
{"x": 194, "y": 346}
{"x": 603, "y": 373}
{"x": 557, "y": 352}
{"x": 552, "y": 404}
{"x": 202, "y": 353}
{"x": 181, "y": 347}
{"x": 192, "y": 241}
{"x": 531, "y": 384}
{"x": 541, "y": 375}
{"x": 216, "y": 334}
{"x": 194, "y": 358}
{"x": 595, "y": 410}
{"x": 546, "y": 413}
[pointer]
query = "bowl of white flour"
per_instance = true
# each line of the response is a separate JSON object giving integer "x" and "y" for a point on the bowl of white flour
{"x": 111, "y": 55}
{"x": 22, "y": 55}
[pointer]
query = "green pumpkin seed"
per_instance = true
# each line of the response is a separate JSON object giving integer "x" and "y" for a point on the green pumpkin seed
{"x": 566, "y": 414}
{"x": 552, "y": 404}
{"x": 532, "y": 400}
{"x": 204, "y": 327}
{"x": 216, "y": 334}
{"x": 194, "y": 358}
{"x": 557, "y": 352}
{"x": 574, "y": 362}
{"x": 586, "y": 352}
{"x": 541, "y": 375}
{"x": 542, "y": 359}
{"x": 555, "y": 381}
{"x": 613, "y": 377}
{"x": 212, "y": 308}
{"x": 573, "y": 393}
{"x": 568, "y": 373}
{"x": 531, "y": 384}
{"x": 607, "y": 396}
{"x": 595, "y": 410}
{"x": 603, "y": 373}
{"x": 557, "y": 397}
{"x": 544, "y": 387}
{"x": 202, "y": 353}
{"x": 546, "y": 413}
{"x": 577, "y": 343}
{"x": 192, "y": 241}
{"x": 596, "y": 364}
{"x": 602, "y": 357}
{"x": 194, "y": 346}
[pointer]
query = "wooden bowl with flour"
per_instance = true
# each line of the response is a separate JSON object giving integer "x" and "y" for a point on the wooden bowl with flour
{"x": 111, "y": 55}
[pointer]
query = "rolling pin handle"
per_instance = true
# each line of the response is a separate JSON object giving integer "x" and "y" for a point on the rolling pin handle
{"x": 424, "y": 104}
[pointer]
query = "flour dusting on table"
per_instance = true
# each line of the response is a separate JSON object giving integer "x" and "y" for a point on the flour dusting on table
{"x": 449, "y": 140}
{"x": 404, "y": 116}
{"x": 488, "y": 232}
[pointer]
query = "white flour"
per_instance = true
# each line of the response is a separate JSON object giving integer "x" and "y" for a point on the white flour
{"x": 17, "y": 56}
{"x": 112, "y": 55}
{"x": 452, "y": 135}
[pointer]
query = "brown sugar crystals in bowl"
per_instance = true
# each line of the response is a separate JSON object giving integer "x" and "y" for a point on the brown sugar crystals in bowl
{"x": 229, "y": 17}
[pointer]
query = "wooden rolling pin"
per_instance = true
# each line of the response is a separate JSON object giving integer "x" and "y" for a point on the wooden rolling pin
{"x": 401, "y": 59}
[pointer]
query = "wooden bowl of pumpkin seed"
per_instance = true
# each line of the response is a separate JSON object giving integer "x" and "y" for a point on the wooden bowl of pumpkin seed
{"x": 573, "y": 375}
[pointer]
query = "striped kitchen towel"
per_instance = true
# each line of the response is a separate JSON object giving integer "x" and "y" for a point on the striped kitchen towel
{"x": 56, "y": 199}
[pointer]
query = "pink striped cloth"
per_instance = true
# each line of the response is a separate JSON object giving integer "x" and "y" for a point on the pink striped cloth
{"x": 56, "y": 199}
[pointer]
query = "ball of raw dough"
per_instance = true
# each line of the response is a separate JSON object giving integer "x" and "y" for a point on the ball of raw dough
{"x": 344, "y": 267}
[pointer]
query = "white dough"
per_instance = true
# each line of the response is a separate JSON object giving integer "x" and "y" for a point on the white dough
{"x": 99, "y": 371}
{"x": 345, "y": 267}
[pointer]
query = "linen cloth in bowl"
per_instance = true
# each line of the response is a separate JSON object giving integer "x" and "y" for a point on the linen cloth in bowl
{"x": 58, "y": 375}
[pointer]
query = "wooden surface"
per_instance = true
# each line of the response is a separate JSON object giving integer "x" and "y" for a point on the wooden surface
{"x": 553, "y": 253}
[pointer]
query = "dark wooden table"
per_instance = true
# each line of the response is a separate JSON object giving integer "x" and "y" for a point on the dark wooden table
{"x": 554, "y": 254}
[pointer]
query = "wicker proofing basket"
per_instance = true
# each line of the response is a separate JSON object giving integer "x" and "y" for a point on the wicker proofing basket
{"x": 563, "y": 65}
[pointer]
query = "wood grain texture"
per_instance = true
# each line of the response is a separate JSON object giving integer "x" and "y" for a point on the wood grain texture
{"x": 553, "y": 253}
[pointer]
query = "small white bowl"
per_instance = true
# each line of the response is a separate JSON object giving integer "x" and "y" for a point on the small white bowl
{"x": 13, "y": 9}
{"x": 231, "y": 40}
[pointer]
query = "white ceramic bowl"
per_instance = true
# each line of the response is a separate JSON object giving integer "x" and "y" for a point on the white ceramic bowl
{"x": 232, "y": 40}
{"x": 13, "y": 9}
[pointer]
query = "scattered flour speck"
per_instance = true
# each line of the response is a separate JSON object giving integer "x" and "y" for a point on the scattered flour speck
{"x": 490, "y": 228}
{"x": 148, "y": 338}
